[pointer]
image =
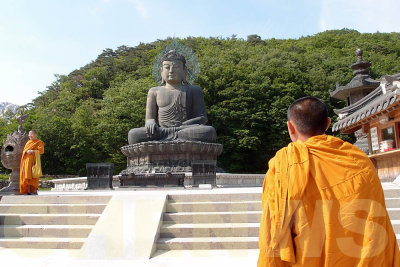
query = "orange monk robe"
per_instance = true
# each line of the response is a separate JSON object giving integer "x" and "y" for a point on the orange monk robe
{"x": 27, "y": 161}
{"x": 323, "y": 205}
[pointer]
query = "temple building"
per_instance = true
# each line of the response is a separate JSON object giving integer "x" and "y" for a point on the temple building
{"x": 373, "y": 114}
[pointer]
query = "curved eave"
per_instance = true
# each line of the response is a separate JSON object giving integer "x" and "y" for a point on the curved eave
{"x": 360, "y": 103}
{"x": 383, "y": 104}
{"x": 357, "y": 83}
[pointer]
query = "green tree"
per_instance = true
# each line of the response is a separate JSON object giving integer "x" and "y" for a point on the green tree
{"x": 248, "y": 84}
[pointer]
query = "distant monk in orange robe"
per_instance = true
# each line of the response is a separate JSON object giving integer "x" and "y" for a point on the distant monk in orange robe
{"x": 323, "y": 203}
{"x": 28, "y": 184}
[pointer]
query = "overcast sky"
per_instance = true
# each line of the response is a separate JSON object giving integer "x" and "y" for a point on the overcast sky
{"x": 40, "y": 38}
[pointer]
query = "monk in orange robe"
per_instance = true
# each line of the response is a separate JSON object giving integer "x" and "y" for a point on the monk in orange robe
{"x": 323, "y": 203}
{"x": 28, "y": 184}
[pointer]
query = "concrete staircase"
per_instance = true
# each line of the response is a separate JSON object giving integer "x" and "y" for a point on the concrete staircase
{"x": 211, "y": 221}
{"x": 48, "y": 222}
{"x": 392, "y": 199}
{"x": 227, "y": 221}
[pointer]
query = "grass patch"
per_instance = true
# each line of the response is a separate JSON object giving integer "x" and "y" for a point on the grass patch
{"x": 44, "y": 189}
{"x": 4, "y": 177}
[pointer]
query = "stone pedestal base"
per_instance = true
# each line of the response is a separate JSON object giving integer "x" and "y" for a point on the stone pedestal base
{"x": 162, "y": 163}
{"x": 155, "y": 179}
{"x": 13, "y": 187}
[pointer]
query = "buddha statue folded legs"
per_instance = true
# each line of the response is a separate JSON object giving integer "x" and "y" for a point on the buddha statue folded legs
{"x": 196, "y": 132}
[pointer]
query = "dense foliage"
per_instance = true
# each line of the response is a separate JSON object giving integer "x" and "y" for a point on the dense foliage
{"x": 248, "y": 85}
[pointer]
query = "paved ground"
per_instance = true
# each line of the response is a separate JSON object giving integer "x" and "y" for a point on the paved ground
{"x": 174, "y": 258}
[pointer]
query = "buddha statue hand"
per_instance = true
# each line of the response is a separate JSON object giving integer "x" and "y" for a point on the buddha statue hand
{"x": 151, "y": 127}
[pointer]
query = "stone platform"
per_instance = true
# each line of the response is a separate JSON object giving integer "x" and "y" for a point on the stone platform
{"x": 222, "y": 180}
{"x": 148, "y": 162}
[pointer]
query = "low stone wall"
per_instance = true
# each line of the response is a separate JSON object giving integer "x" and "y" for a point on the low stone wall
{"x": 69, "y": 184}
{"x": 223, "y": 180}
{"x": 235, "y": 180}
{"x": 76, "y": 184}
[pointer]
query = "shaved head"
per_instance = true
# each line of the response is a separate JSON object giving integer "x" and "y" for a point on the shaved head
{"x": 310, "y": 115}
{"x": 32, "y": 134}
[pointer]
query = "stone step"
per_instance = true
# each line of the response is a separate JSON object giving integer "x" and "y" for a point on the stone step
{"x": 392, "y": 193}
{"x": 41, "y": 243}
{"x": 214, "y": 206}
{"x": 233, "y": 217}
{"x": 197, "y": 243}
{"x": 212, "y": 243}
{"x": 392, "y": 196}
{"x": 238, "y": 206}
{"x": 207, "y": 243}
{"x": 392, "y": 202}
{"x": 222, "y": 230}
{"x": 210, "y": 230}
{"x": 213, "y": 217}
{"x": 60, "y": 199}
{"x": 394, "y": 213}
{"x": 396, "y": 226}
{"x": 48, "y": 219}
{"x": 214, "y": 197}
{"x": 51, "y": 208}
{"x": 78, "y": 231}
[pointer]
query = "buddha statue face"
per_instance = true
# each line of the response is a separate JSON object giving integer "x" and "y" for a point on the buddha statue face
{"x": 173, "y": 72}
{"x": 173, "y": 68}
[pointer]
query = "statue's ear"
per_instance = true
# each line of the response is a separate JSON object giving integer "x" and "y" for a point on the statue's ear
{"x": 185, "y": 72}
{"x": 162, "y": 78}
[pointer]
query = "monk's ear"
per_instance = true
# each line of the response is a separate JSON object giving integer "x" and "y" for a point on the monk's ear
{"x": 328, "y": 123}
{"x": 291, "y": 127}
{"x": 292, "y": 131}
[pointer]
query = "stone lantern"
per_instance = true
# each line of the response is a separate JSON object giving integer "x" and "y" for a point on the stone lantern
{"x": 11, "y": 154}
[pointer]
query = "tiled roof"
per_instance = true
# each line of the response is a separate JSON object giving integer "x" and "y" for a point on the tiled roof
{"x": 358, "y": 82}
{"x": 361, "y": 103}
{"x": 383, "y": 103}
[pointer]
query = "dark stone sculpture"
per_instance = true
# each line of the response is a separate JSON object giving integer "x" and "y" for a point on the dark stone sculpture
{"x": 175, "y": 139}
{"x": 11, "y": 154}
{"x": 99, "y": 175}
{"x": 175, "y": 110}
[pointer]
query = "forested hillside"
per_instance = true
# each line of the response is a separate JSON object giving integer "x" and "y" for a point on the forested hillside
{"x": 248, "y": 84}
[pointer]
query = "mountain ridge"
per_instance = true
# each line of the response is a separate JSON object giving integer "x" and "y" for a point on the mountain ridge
{"x": 6, "y": 106}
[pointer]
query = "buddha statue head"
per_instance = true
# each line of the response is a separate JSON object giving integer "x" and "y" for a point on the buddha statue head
{"x": 173, "y": 68}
